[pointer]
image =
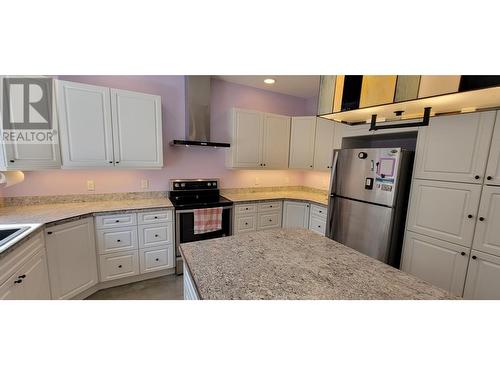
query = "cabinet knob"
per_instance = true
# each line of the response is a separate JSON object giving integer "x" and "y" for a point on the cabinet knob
{"x": 156, "y": 235}
{"x": 462, "y": 253}
{"x": 320, "y": 211}
{"x": 110, "y": 162}
{"x": 21, "y": 277}
{"x": 18, "y": 281}
{"x": 117, "y": 221}
{"x": 49, "y": 232}
{"x": 271, "y": 206}
{"x": 481, "y": 218}
{"x": 310, "y": 166}
{"x": 474, "y": 257}
{"x": 319, "y": 226}
{"x": 476, "y": 177}
{"x": 264, "y": 164}
{"x": 469, "y": 216}
{"x": 156, "y": 217}
{"x": 246, "y": 223}
{"x": 246, "y": 208}
{"x": 118, "y": 240}
{"x": 157, "y": 259}
{"x": 489, "y": 178}
{"x": 119, "y": 266}
{"x": 116, "y": 162}
{"x": 270, "y": 220}
{"x": 12, "y": 161}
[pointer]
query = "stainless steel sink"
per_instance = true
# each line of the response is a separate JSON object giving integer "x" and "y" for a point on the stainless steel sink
{"x": 8, "y": 234}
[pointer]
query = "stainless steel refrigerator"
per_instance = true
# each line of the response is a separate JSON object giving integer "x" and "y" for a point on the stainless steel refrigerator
{"x": 368, "y": 199}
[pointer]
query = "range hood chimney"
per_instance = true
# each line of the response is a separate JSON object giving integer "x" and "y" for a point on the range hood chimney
{"x": 197, "y": 114}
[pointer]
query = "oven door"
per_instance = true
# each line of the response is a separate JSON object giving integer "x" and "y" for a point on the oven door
{"x": 184, "y": 231}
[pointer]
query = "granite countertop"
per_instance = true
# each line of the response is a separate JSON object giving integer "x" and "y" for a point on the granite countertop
{"x": 295, "y": 264}
{"x": 268, "y": 195}
{"x": 48, "y": 213}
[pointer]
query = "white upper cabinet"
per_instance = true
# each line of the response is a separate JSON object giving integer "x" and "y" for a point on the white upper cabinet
{"x": 493, "y": 168}
{"x": 483, "y": 277}
{"x": 137, "y": 129}
{"x": 487, "y": 237}
{"x": 276, "y": 141}
{"x": 324, "y": 144}
{"x": 444, "y": 210}
{"x": 24, "y": 156}
{"x": 258, "y": 140}
{"x": 102, "y": 127}
{"x": 72, "y": 258}
{"x": 455, "y": 148}
{"x": 85, "y": 125}
{"x": 295, "y": 214}
{"x": 438, "y": 262}
{"x": 302, "y": 142}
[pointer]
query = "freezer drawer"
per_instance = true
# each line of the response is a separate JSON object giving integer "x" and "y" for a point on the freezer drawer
{"x": 362, "y": 226}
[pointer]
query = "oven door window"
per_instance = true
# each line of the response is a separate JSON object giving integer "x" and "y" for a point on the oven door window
{"x": 186, "y": 228}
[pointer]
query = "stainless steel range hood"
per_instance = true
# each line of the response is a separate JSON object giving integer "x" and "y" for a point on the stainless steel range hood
{"x": 197, "y": 120}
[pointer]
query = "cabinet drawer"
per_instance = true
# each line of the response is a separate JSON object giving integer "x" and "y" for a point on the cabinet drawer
{"x": 269, "y": 206}
{"x": 243, "y": 209}
{"x": 116, "y": 239}
{"x": 245, "y": 224}
{"x": 269, "y": 220}
{"x": 153, "y": 217}
{"x": 319, "y": 211}
{"x": 317, "y": 224}
{"x": 114, "y": 221}
{"x": 118, "y": 265}
{"x": 156, "y": 259}
{"x": 155, "y": 235}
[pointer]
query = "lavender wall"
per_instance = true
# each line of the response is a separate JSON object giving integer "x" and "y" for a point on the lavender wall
{"x": 179, "y": 162}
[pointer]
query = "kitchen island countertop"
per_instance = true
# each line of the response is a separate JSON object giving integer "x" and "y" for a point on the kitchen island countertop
{"x": 295, "y": 264}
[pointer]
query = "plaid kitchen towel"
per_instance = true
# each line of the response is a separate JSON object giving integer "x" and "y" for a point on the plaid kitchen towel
{"x": 207, "y": 220}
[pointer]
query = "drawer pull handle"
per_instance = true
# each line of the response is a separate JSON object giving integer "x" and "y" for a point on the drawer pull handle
{"x": 117, "y": 221}
{"x": 49, "y": 232}
{"x": 489, "y": 178}
{"x": 18, "y": 281}
{"x": 462, "y": 253}
{"x": 270, "y": 220}
{"x": 476, "y": 177}
{"x": 156, "y": 217}
{"x": 474, "y": 257}
{"x": 246, "y": 208}
{"x": 481, "y": 218}
{"x": 21, "y": 277}
{"x": 469, "y": 216}
{"x": 157, "y": 259}
{"x": 118, "y": 240}
{"x": 119, "y": 266}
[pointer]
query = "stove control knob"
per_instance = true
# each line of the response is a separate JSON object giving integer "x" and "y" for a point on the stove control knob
{"x": 176, "y": 184}
{"x": 209, "y": 184}
{"x": 183, "y": 184}
{"x": 214, "y": 184}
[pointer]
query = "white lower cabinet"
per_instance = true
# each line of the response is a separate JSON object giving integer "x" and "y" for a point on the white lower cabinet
{"x": 444, "y": 210}
{"x": 440, "y": 263}
{"x": 483, "y": 277}
{"x": 117, "y": 265}
{"x": 257, "y": 216}
{"x": 71, "y": 256}
{"x": 317, "y": 219}
{"x": 269, "y": 220}
{"x": 295, "y": 214}
{"x": 246, "y": 223}
{"x": 28, "y": 282}
{"x": 156, "y": 259}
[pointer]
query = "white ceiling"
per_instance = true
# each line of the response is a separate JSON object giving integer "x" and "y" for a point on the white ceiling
{"x": 301, "y": 86}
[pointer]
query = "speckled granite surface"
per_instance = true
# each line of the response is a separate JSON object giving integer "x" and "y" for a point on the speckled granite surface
{"x": 47, "y": 213}
{"x": 295, "y": 264}
{"x": 309, "y": 196}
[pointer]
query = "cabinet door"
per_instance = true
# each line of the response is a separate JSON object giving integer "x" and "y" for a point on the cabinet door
{"x": 276, "y": 141}
{"x": 31, "y": 281}
{"x": 483, "y": 277}
{"x": 323, "y": 144}
{"x": 28, "y": 157}
{"x": 455, "y": 148}
{"x": 440, "y": 263}
{"x": 137, "y": 129}
{"x": 493, "y": 168}
{"x": 302, "y": 142}
{"x": 438, "y": 85}
{"x": 295, "y": 215}
{"x": 444, "y": 210}
{"x": 487, "y": 237}
{"x": 72, "y": 258}
{"x": 84, "y": 113}
{"x": 246, "y": 146}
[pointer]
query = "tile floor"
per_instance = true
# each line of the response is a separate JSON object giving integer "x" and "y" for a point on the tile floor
{"x": 160, "y": 288}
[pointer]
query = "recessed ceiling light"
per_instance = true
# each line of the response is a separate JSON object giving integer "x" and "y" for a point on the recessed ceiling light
{"x": 269, "y": 81}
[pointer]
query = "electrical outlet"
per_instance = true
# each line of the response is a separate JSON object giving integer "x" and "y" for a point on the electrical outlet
{"x": 90, "y": 185}
{"x": 144, "y": 184}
